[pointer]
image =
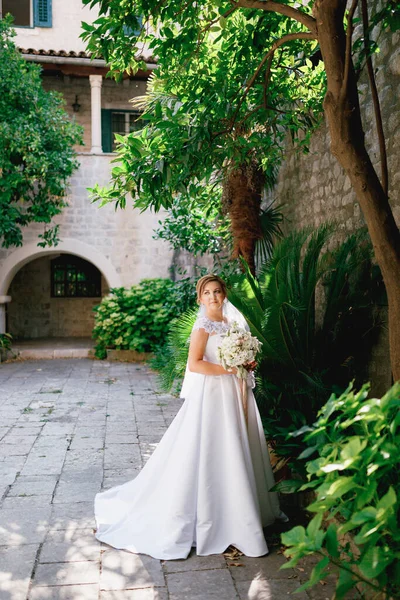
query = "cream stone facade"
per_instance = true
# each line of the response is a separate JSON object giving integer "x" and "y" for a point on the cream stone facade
{"x": 119, "y": 244}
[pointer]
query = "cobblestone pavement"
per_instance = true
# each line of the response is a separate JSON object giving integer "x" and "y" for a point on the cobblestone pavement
{"x": 69, "y": 428}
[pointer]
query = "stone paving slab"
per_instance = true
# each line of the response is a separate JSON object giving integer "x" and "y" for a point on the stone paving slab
{"x": 214, "y": 584}
{"x": 67, "y": 592}
{"x": 15, "y": 570}
{"x": 123, "y": 570}
{"x": 69, "y": 428}
{"x": 141, "y": 594}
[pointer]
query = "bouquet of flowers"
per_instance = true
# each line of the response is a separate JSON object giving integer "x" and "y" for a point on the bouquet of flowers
{"x": 238, "y": 348}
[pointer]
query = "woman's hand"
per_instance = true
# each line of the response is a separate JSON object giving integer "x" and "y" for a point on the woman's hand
{"x": 250, "y": 366}
{"x": 231, "y": 371}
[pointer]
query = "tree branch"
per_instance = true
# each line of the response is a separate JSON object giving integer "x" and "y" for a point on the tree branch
{"x": 375, "y": 100}
{"x": 347, "y": 57}
{"x": 301, "y": 35}
{"x": 267, "y": 78}
{"x": 282, "y": 9}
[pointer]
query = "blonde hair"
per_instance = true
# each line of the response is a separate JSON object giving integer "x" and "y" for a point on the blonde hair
{"x": 203, "y": 281}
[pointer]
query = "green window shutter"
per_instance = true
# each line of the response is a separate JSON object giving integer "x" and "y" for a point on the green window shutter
{"x": 106, "y": 136}
{"x": 42, "y": 13}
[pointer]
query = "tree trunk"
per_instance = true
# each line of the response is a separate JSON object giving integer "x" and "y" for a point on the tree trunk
{"x": 242, "y": 200}
{"x": 343, "y": 114}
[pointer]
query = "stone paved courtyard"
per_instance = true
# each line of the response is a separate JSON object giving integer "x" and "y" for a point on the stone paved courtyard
{"x": 69, "y": 428}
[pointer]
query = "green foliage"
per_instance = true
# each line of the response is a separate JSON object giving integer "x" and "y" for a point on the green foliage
{"x": 205, "y": 112}
{"x": 5, "y": 341}
{"x": 170, "y": 360}
{"x": 354, "y": 470}
{"x": 135, "y": 319}
{"x": 36, "y": 139}
{"x": 196, "y": 226}
{"x": 307, "y": 354}
{"x": 185, "y": 291}
{"x": 271, "y": 219}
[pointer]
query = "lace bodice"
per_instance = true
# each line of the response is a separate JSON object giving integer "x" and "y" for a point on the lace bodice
{"x": 211, "y": 327}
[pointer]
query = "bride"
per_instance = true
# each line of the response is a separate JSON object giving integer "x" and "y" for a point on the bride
{"x": 207, "y": 482}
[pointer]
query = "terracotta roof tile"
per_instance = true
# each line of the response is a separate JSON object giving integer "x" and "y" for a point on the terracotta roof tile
{"x": 70, "y": 54}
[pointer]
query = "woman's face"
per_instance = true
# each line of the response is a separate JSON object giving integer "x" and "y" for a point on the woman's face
{"x": 212, "y": 295}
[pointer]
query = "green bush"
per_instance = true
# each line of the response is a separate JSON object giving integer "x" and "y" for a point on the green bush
{"x": 137, "y": 318}
{"x": 356, "y": 480}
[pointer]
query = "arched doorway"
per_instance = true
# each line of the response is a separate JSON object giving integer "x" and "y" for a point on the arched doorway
{"x": 54, "y": 297}
{"x": 53, "y": 290}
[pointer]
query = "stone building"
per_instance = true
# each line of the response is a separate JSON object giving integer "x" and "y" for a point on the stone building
{"x": 51, "y": 292}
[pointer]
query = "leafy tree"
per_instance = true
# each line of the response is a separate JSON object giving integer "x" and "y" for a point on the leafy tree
{"x": 232, "y": 57}
{"x": 189, "y": 140}
{"x": 36, "y": 153}
{"x": 198, "y": 226}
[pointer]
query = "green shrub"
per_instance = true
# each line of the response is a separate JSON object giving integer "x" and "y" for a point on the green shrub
{"x": 356, "y": 479}
{"x": 137, "y": 318}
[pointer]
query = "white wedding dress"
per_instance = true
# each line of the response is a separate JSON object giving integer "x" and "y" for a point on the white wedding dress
{"x": 207, "y": 482}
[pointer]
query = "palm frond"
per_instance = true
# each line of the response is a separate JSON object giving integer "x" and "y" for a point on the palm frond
{"x": 171, "y": 359}
{"x": 271, "y": 219}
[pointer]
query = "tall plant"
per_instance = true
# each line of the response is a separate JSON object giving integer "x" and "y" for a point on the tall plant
{"x": 309, "y": 348}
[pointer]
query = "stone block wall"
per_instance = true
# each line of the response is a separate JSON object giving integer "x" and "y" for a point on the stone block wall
{"x": 120, "y": 240}
{"x": 123, "y": 237}
{"x": 314, "y": 187}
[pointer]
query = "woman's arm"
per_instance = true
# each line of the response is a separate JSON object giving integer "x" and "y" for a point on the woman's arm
{"x": 197, "y": 348}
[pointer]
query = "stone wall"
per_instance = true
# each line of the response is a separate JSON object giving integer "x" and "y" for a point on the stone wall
{"x": 120, "y": 243}
{"x": 123, "y": 237}
{"x": 33, "y": 313}
{"x": 314, "y": 188}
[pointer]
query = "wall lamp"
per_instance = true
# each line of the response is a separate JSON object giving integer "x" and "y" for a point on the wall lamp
{"x": 76, "y": 106}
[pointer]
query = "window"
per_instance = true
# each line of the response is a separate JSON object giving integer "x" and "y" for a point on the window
{"x": 118, "y": 121}
{"x": 28, "y": 13}
{"x": 74, "y": 277}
